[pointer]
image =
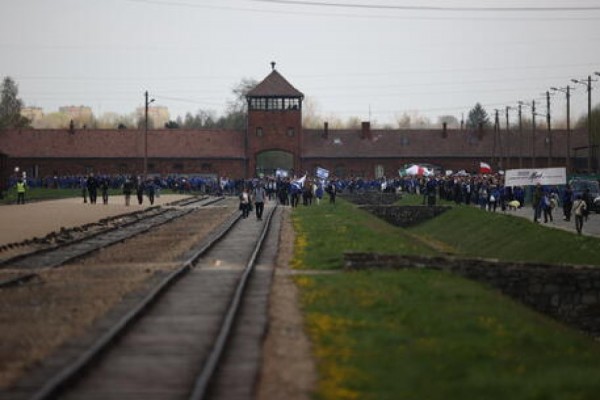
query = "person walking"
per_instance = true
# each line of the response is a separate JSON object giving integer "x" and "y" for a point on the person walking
{"x": 567, "y": 202}
{"x": 579, "y": 210}
{"x": 127, "y": 189}
{"x": 332, "y": 192}
{"x": 245, "y": 203}
{"x": 84, "y": 191}
{"x": 319, "y": 193}
{"x": 547, "y": 207}
{"x": 104, "y": 190}
{"x": 139, "y": 191}
{"x": 259, "y": 194}
{"x": 537, "y": 202}
{"x": 150, "y": 190}
{"x": 21, "y": 189}
{"x": 92, "y": 187}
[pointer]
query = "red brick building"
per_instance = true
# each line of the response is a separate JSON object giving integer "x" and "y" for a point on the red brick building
{"x": 274, "y": 138}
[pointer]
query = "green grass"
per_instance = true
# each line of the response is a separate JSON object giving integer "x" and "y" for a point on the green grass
{"x": 472, "y": 232}
{"x": 425, "y": 334}
{"x": 333, "y": 229}
{"x": 429, "y": 335}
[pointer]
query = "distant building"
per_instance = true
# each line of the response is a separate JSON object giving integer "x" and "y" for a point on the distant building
{"x": 158, "y": 116}
{"x": 34, "y": 114}
{"x": 81, "y": 115}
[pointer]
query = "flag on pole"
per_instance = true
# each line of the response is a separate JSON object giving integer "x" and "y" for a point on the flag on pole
{"x": 484, "y": 168}
{"x": 417, "y": 170}
{"x": 298, "y": 183}
{"x": 322, "y": 173}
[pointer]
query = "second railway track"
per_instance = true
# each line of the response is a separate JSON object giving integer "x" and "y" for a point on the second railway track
{"x": 62, "y": 253}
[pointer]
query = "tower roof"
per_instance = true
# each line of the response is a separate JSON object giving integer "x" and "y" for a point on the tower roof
{"x": 275, "y": 85}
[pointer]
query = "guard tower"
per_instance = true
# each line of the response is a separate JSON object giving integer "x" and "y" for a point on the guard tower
{"x": 274, "y": 131}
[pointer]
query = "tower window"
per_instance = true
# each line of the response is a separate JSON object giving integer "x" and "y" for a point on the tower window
{"x": 290, "y": 132}
{"x": 259, "y": 131}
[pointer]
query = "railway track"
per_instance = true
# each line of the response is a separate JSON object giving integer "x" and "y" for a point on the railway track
{"x": 185, "y": 340}
{"x": 106, "y": 234}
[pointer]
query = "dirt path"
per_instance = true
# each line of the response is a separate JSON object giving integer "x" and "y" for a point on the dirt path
{"x": 288, "y": 371}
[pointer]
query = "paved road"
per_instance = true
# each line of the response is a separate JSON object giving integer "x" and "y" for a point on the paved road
{"x": 591, "y": 227}
{"x": 37, "y": 219}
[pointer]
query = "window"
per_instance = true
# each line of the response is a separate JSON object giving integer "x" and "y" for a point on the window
{"x": 274, "y": 103}
{"x": 206, "y": 166}
{"x": 178, "y": 167}
{"x": 379, "y": 171}
{"x": 259, "y": 132}
{"x": 290, "y": 132}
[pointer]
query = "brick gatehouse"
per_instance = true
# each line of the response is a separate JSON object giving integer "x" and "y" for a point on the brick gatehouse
{"x": 275, "y": 139}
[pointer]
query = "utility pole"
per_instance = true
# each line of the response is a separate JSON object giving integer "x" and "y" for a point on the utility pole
{"x": 568, "y": 128}
{"x": 533, "y": 134}
{"x": 549, "y": 137}
{"x": 520, "y": 136}
{"x": 147, "y": 103}
{"x": 590, "y": 137}
{"x": 567, "y": 91}
{"x": 496, "y": 129}
{"x": 591, "y": 147}
{"x": 592, "y": 151}
{"x": 507, "y": 145}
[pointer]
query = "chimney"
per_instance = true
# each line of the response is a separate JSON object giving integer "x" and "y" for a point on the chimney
{"x": 325, "y": 133}
{"x": 444, "y": 130}
{"x": 366, "y": 130}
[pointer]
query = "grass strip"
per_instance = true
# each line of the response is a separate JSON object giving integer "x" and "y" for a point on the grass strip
{"x": 424, "y": 334}
{"x": 471, "y": 232}
{"x": 333, "y": 229}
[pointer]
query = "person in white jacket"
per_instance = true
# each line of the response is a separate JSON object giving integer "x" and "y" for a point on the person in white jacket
{"x": 579, "y": 210}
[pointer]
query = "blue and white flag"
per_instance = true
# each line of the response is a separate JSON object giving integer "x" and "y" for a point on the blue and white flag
{"x": 298, "y": 183}
{"x": 322, "y": 173}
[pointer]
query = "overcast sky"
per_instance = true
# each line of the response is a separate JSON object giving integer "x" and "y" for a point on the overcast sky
{"x": 361, "y": 58}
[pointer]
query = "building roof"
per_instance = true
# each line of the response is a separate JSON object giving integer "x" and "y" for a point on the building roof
{"x": 275, "y": 85}
{"x": 424, "y": 143}
{"x": 46, "y": 143}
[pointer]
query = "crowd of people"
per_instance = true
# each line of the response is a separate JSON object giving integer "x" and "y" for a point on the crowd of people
{"x": 485, "y": 191}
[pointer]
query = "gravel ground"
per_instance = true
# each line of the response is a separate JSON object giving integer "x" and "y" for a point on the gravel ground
{"x": 63, "y": 304}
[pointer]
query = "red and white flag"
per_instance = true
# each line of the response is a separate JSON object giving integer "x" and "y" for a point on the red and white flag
{"x": 484, "y": 168}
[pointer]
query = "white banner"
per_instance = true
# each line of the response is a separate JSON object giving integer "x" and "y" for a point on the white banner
{"x": 530, "y": 177}
{"x": 322, "y": 173}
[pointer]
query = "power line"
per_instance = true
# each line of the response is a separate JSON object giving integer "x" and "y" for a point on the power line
{"x": 180, "y": 4}
{"x": 426, "y": 8}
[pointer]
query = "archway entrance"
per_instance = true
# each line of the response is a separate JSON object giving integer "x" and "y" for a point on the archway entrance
{"x": 268, "y": 162}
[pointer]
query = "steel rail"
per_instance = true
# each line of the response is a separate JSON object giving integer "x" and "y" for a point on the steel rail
{"x": 52, "y": 388}
{"x": 210, "y": 366}
{"x": 160, "y": 211}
